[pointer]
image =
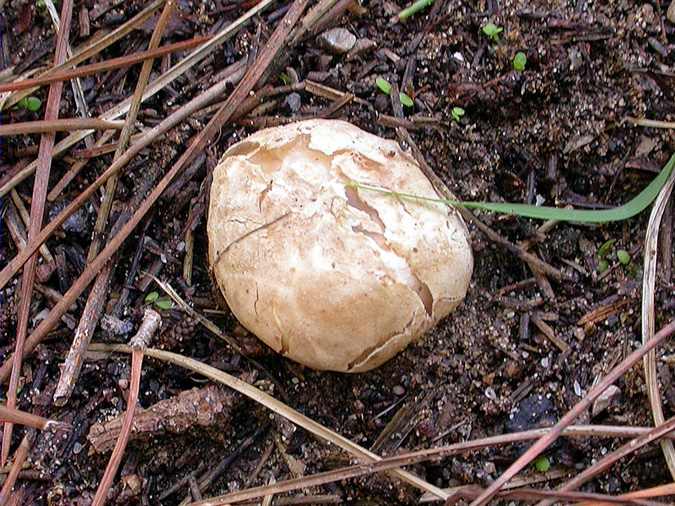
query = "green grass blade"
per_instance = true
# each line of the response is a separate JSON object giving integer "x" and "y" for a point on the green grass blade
{"x": 628, "y": 210}
{"x": 414, "y": 9}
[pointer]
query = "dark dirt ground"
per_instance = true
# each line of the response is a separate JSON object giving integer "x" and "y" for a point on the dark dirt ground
{"x": 555, "y": 132}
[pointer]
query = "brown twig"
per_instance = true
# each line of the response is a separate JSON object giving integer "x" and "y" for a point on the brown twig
{"x": 36, "y": 217}
{"x": 167, "y": 77}
{"x": 204, "y": 99}
{"x": 611, "y": 458}
{"x": 19, "y": 458}
{"x": 92, "y": 48}
{"x": 58, "y": 125}
{"x": 111, "y": 184}
{"x": 545, "y": 441}
{"x": 147, "y": 329}
{"x": 105, "y": 65}
{"x": 93, "y": 308}
{"x": 76, "y": 168}
{"x": 242, "y": 90}
{"x": 16, "y": 416}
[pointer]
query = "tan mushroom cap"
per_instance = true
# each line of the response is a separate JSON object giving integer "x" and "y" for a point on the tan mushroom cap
{"x": 332, "y": 276}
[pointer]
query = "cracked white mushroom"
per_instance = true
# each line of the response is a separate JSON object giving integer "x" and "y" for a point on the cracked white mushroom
{"x": 326, "y": 274}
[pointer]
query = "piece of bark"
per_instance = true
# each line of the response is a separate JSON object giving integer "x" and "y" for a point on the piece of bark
{"x": 198, "y": 407}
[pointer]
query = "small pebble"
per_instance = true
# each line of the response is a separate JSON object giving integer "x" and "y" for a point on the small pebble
{"x": 293, "y": 102}
{"x": 337, "y": 40}
{"x": 398, "y": 390}
{"x": 670, "y": 13}
{"x": 605, "y": 399}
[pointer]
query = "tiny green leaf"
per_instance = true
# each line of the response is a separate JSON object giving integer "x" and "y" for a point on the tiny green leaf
{"x": 33, "y": 104}
{"x": 457, "y": 113}
{"x": 164, "y": 304}
{"x": 603, "y": 265}
{"x": 542, "y": 464}
{"x": 284, "y": 78}
{"x": 623, "y": 256}
{"x": 519, "y": 61}
{"x": 492, "y": 31}
{"x": 151, "y": 297}
{"x": 406, "y": 100}
{"x": 606, "y": 248}
{"x": 383, "y": 85}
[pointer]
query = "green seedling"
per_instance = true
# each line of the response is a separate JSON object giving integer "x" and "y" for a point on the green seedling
{"x": 457, "y": 114}
{"x": 606, "y": 247}
{"x": 542, "y": 464}
{"x": 635, "y": 206}
{"x": 623, "y": 256}
{"x": 519, "y": 61}
{"x": 406, "y": 100}
{"x": 164, "y": 303}
{"x": 284, "y": 78}
{"x": 413, "y": 9}
{"x": 31, "y": 104}
{"x": 492, "y": 31}
{"x": 384, "y": 86}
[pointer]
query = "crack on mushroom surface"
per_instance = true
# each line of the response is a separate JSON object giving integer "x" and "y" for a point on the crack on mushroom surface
{"x": 408, "y": 276}
{"x": 372, "y": 351}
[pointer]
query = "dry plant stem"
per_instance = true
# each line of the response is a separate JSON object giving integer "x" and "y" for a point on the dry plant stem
{"x": 545, "y": 441}
{"x": 36, "y": 217}
{"x": 14, "y": 415}
{"x": 121, "y": 444}
{"x": 408, "y": 459}
{"x": 239, "y": 94}
{"x": 111, "y": 184}
{"x": 277, "y": 407}
{"x": 648, "y": 317}
{"x": 17, "y": 230}
{"x": 19, "y": 458}
{"x": 91, "y": 49}
{"x": 185, "y": 111}
{"x": 147, "y": 329}
{"x": 611, "y": 458}
{"x": 326, "y": 434}
{"x": 58, "y": 125}
{"x": 650, "y": 123}
{"x": 170, "y": 75}
{"x": 76, "y": 168}
{"x": 95, "y": 304}
{"x": 25, "y": 217}
{"x": 111, "y": 64}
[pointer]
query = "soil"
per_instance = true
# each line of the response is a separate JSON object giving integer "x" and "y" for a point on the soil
{"x": 556, "y": 133}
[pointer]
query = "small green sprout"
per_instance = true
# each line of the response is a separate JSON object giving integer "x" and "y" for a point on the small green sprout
{"x": 406, "y": 100}
{"x": 542, "y": 464}
{"x": 519, "y": 61}
{"x": 492, "y": 31}
{"x": 31, "y": 104}
{"x": 151, "y": 297}
{"x": 383, "y": 85}
{"x": 603, "y": 265}
{"x": 284, "y": 78}
{"x": 457, "y": 113}
{"x": 623, "y": 256}
{"x": 606, "y": 247}
{"x": 164, "y": 303}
